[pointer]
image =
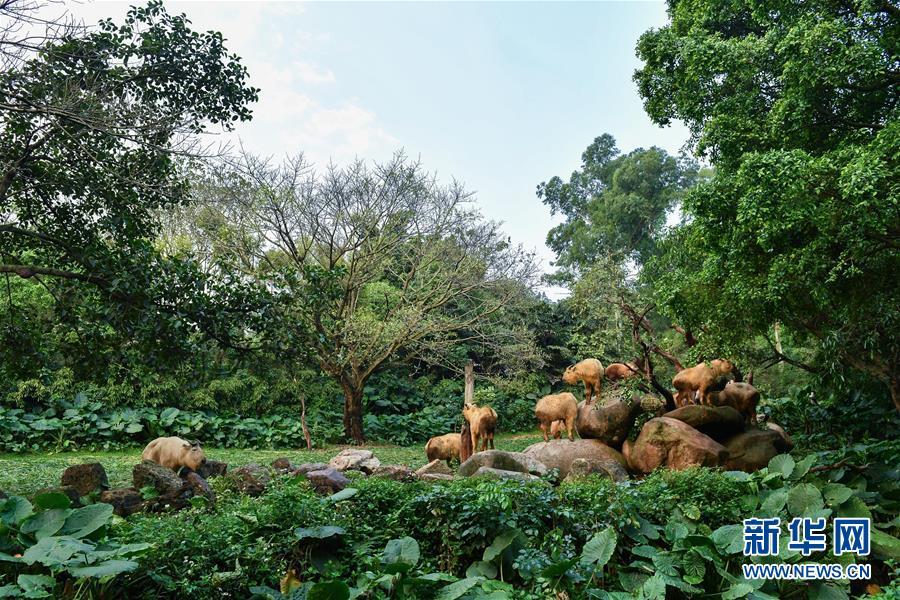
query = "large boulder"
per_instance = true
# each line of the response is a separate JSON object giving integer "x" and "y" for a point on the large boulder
{"x": 504, "y": 461}
{"x": 609, "y": 423}
{"x": 198, "y": 487}
{"x": 753, "y": 449}
{"x": 327, "y": 481}
{"x": 212, "y": 468}
{"x": 718, "y": 422}
{"x": 251, "y": 479}
{"x": 584, "y": 467}
{"x": 395, "y": 472}
{"x": 307, "y": 467}
{"x": 353, "y": 459}
{"x": 559, "y": 454}
{"x": 786, "y": 439}
{"x": 492, "y": 473}
{"x": 125, "y": 501}
{"x": 160, "y": 478}
{"x": 668, "y": 442}
{"x": 86, "y": 478}
{"x": 435, "y": 467}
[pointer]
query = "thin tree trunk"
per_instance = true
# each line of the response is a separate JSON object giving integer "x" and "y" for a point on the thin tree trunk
{"x": 465, "y": 435}
{"x": 306, "y": 435}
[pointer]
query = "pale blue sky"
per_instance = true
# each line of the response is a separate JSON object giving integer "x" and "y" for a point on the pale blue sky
{"x": 499, "y": 95}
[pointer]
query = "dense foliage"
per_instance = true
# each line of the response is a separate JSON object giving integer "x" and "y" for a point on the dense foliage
{"x": 591, "y": 538}
{"x": 796, "y": 105}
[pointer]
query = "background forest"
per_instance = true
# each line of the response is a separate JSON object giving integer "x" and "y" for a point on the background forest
{"x": 155, "y": 284}
{"x": 142, "y": 272}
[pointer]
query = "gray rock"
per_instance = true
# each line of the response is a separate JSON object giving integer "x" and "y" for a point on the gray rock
{"x": 718, "y": 422}
{"x": 491, "y": 473}
{"x": 327, "y": 481}
{"x": 609, "y": 423}
{"x": 212, "y": 468}
{"x": 352, "y": 459}
{"x": 125, "y": 501}
{"x": 251, "y": 479}
{"x": 435, "y": 467}
{"x": 504, "y": 461}
{"x": 395, "y": 472}
{"x": 559, "y": 454}
{"x": 86, "y": 478}
{"x": 160, "y": 478}
{"x": 282, "y": 464}
{"x": 584, "y": 467}
{"x": 436, "y": 477}
{"x": 197, "y": 486}
{"x": 307, "y": 467}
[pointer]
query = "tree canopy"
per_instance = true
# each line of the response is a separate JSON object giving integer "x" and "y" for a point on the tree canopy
{"x": 93, "y": 127}
{"x": 615, "y": 205}
{"x": 796, "y": 105}
{"x": 369, "y": 261}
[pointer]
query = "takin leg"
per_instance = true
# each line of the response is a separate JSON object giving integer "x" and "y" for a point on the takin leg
{"x": 544, "y": 430}
{"x": 588, "y": 392}
{"x": 570, "y": 428}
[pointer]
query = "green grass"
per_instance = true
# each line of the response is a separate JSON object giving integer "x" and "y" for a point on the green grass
{"x": 25, "y": 474}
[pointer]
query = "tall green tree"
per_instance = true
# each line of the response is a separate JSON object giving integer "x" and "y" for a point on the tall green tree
{"x": 368, "y": 262}
{"x": 797, "y": 106}
{"x": 93, "y": 126}
{"x": 615, "y": 206}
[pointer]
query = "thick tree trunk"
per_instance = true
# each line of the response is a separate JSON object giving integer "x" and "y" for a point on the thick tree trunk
{"x": 353, "y": 424}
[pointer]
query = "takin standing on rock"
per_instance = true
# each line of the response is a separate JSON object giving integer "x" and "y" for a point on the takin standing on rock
{"x": 620, "y": 371}
{"x": 590, "y": 372}
{"x": 174, "y": 453}
{"x": 443, "y": 447}
{"x": 740, "y": 396}
{"x": 699, "y": 379}
{"x": 482, "y": 423}
{"x": 557, "y": 407}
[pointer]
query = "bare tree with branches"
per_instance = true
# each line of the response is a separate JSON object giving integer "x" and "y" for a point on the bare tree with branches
{"x": 372, "y": 259}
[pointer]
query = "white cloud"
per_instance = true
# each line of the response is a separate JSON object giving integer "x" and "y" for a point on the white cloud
{"x": 309, "y": 73}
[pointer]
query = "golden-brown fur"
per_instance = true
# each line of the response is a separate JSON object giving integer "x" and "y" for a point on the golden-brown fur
{"x": 556, "y": 429}
{"x": 443, "y": 447}
{"x": 590, "y": 372}
{"x": 483, "y": 422}
{"x": 699, "y": 379}
{"x": 557, "y": 407}
{"x": 619, "y": 371}
{"x": 742, "y": 397}
{"x": 174, "y": 453}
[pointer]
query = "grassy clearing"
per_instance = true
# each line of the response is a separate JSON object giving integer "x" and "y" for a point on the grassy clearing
{"x": 27, "y": 473}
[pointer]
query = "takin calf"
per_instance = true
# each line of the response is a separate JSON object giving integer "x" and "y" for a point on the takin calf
{"x": 557, "y": 407}
{"x": 482, "y": 422}
{"x": 590, "y": 372}
{"x": 699, "y": 379}
{"x": 443, "y": 447}
{"x": 742, "y": 397}
{"x": 174, "y": 453}
{"x": 619, "y": 371}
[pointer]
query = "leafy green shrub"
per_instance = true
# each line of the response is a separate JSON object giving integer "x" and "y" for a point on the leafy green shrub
{"x": 49, "y": 545}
